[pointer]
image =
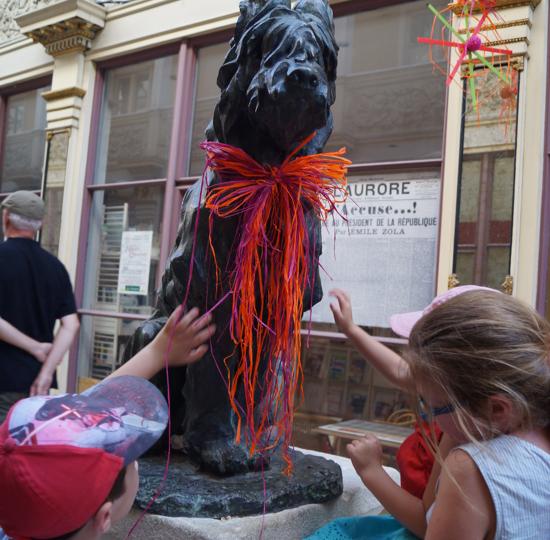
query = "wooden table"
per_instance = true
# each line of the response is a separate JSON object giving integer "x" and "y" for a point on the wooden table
{"x": 389, "y": 434}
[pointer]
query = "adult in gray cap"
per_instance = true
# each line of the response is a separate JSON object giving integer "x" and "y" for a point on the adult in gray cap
{"x": 35, "y": 292}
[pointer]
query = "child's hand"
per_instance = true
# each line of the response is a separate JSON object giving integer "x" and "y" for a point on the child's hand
{"x": 365, "y": 454}
{"x": 343, "y": 315}
{"x": 188, "y": 343}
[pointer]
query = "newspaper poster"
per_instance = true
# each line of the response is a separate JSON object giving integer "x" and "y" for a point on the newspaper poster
{"x": 384, "y": 252}
{"x": 135, "y": 262}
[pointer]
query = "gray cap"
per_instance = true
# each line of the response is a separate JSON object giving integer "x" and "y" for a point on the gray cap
{"x": 25, "y": 203}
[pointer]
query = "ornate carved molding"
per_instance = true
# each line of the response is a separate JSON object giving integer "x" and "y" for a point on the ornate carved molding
{"x": 64, "y": 37}
{"x": 507, "y": 285}
{"x": 452, "y": 281}
{"x": 499, "y": 4}
{"x": 501, "y": 26}
{"x": 64, "y": 27}
{"x": 10, "y": 10}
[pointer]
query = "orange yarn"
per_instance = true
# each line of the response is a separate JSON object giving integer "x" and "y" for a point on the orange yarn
{"x": 275, "y": 262}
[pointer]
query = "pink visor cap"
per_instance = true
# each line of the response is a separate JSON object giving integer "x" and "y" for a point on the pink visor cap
{"x": 403, "y": 323}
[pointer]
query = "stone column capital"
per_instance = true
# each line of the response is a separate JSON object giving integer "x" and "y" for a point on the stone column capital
{"x": 64, "y": 27}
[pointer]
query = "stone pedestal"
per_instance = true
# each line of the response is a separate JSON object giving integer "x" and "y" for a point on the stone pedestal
{"x": 288, "y": 524}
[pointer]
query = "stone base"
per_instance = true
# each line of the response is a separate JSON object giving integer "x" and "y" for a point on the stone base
{"x": 189, "y": 493}
{"x": 293, "y": 524}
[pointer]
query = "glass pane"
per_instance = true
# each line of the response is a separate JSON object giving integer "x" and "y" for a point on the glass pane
{"x": 209, "y": 60}
{"x": 498, "y": 265}
{"x": 502, "y": 201}
{"x": 25, "y": 140}
{"x": 136, "y": 121}
{"x": 487, "y": 184}
{"x": 388, "y": 106}
{"x": 101, "y": 346}
{"x": 465, "y": 263}
{"x": 123, "y": 249}
{"x": 54, "y": 187}
{"x": 469, "y": 202}
{"x": 339, "y": 382}
{"x": 389, "y": 102}
{"x": 384, "y": 255}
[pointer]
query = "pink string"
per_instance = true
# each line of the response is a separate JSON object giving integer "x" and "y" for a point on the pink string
{"x": 181, "y": 307}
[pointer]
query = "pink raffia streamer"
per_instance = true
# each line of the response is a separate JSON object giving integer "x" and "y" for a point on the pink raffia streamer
{"x": 274, "y": 264}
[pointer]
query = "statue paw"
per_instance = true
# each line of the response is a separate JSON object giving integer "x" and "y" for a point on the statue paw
{"x": 224, "y": 457}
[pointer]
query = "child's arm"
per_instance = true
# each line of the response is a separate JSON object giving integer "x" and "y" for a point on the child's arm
{"x": 366, "y": 456}
{"x": 389, "y": 363}
{"x": 184, "y": 344}
{"x": 464, "y": 507}
{"x": 446, "y": 444}
{"x": 11, "y": 335}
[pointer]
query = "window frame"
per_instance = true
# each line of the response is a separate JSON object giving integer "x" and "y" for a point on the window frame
{"x": 5, "y": 94}
{"x": 176, "y": 164}
{"x": 482, "y": 241}
{"x": 178, "y": 180}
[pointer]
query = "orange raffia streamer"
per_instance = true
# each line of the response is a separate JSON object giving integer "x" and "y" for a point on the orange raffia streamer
{"x": 275, "y": 262}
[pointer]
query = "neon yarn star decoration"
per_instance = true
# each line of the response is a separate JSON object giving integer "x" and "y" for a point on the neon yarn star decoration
{"x": 470, "y": 42}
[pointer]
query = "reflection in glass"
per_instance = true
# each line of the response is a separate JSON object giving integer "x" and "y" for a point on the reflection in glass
{"x": 102, "y": 343}
{"x": 339, "y": 384}
{"x": 486, "y": 187}
{"x": 57, "y": 149}
{"x": 25, "y": 138}
{"x": 389, "y": 102}
{"x": 113, "y": 212}
{"x": 136, "y": 121}
{"x": 207, "y": 93}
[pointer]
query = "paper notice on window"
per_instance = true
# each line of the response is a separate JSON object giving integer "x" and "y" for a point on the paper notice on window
{"x": 384, "y": 256}
{"x": 135, "y": 262}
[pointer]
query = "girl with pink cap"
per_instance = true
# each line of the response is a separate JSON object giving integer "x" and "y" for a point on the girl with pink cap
{"x": 478, "y": 364}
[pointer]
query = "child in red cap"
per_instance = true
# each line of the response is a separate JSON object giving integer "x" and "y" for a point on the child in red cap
{"x": 68, "y": 464}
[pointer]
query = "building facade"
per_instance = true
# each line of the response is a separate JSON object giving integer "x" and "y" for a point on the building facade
{"x": 103, "y": 106}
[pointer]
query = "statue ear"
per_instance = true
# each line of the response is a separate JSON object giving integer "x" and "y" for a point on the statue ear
{"x": 250, "y": 8}
{"x": 250, "y": 26}
{"x": 318, "y": 9}
{"x": 319, "y": 14}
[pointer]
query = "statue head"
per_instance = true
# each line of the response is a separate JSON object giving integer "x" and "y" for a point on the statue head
{"x": 278, "y": 79}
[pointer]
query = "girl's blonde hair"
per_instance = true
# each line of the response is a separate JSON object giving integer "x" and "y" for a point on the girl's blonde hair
{"x": 483, "y": 343}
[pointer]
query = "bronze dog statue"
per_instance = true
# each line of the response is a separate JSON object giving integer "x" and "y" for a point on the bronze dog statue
{"x": 277, "y": 85}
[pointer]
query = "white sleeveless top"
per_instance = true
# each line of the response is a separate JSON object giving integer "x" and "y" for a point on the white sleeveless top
{"x": 517, "y": 474}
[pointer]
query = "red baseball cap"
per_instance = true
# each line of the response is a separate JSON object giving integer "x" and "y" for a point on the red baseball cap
{"x": 60, "y": 455}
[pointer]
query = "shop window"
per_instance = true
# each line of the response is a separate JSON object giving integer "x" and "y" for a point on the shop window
{"x": 22, "y": 155}
{"x": 123, "y": 261}
{"x": 102, "y": 343}
{"x": 116, "y": 215}
{"x": 383, "y": 254}
{"x": 389, "y": 102}
{"x": 340, "y": 383}
{"x": 136, "y": 121}
{"x": 207, "y": 93}
{"x": 54, "y": 186}
{"x": 486, "y": 188}
{"x": 127, "y": 188}
{"x": 389, "y": 108}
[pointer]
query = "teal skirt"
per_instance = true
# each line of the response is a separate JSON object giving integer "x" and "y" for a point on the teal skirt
{"x": 363, "y": 528}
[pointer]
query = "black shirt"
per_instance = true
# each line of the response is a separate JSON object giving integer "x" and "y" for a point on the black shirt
{"x": 35, "y": 291}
